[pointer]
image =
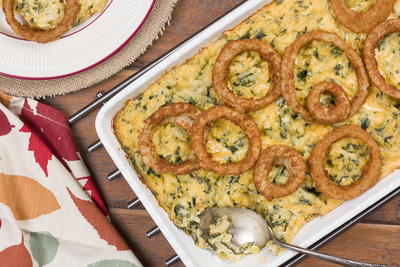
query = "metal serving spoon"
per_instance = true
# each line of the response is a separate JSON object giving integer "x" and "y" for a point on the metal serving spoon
{"x": 249, "y": 226}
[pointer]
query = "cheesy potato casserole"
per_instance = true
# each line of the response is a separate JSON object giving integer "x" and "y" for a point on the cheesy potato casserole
{"x": 278, "y": 24}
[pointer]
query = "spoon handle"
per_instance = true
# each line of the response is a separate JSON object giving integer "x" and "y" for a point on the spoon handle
{"x": 341, "y": 261}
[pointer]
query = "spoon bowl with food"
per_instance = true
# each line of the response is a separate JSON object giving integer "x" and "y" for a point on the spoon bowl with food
{"x": 248, "y": 227}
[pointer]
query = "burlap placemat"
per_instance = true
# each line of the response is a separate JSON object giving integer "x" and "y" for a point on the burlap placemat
{"x": 151, "y": 30}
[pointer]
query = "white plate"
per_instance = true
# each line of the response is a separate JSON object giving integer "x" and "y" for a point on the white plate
{"x": 82, "y": 48}
{"x": 190, "y": 254}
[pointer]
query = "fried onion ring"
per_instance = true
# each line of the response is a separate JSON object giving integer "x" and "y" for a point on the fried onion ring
{"x": 221, "y": 70}
{"x": 198, "y": 140}
{"x": 331, "y": 113}
{"x": 182, "y": 114}
{"x": 370, "y": 173}
{"x": 362, "y": 21}
{"x": 384, "y": 29}
{"x": 279, "y": 155}
{"x": 288, "y": 64}
{"x": 42, "y": 36}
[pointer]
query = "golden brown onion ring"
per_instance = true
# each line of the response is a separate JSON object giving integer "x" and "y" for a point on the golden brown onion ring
{"x": 221, "y": 70}
{"x": 42, "y": 36}
{"x": 288, "y": 65}
{"x": 198, "y": 140}
{"x": 362, "y": 21}
{"x": 370, "y": 172}
{"x": 279, "y": 155}
{"x": 384, "y": 29}
{"x": 331, "y": 113}
{"x": 182, "y": 114}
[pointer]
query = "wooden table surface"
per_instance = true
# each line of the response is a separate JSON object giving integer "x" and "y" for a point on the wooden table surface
{"x": 376, "y": 238}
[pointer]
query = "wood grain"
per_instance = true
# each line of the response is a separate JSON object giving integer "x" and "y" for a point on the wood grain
{"x": 375, "y": 243}
{"x": 151, "y": 252}
{"x": 375, "y": 239}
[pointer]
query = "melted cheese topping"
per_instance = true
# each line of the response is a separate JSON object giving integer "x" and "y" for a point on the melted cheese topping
{"x": 388, "y": 56}
{"x": 360, "y": 5}
{"x": 172, "y": 143}
{"x": 345, "y": 160}
{"x": 44, "y": 15}
{"x": 249, "y": 76}
{"x": 184, "y": 197}
{"x": 320, "y": 61}
{"x": 278, "y": 175}
{"x": 226, "y": 142}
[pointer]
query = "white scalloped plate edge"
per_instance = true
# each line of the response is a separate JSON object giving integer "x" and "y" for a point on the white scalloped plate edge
{"x": 80, "y": 49}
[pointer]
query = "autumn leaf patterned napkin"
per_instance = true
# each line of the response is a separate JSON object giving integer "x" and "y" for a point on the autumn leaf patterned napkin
{"x": 51, "y": 213}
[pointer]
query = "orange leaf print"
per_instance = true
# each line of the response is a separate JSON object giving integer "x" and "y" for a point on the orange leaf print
{"x": 26, "y": 198}
{"x": 15, "y": 256}
{"x": 5, "y": 99}
{"x": 96, "y": 218}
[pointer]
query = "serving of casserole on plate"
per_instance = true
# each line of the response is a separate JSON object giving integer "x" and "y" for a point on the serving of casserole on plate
{"x": 39, "y": 43}
{"x": 350, "y": 160}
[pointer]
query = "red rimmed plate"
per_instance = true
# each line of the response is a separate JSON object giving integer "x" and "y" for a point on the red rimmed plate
{"x": 80, "y": 49}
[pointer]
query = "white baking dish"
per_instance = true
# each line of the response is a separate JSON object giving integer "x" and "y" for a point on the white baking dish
{"x": 184, "y": 246}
